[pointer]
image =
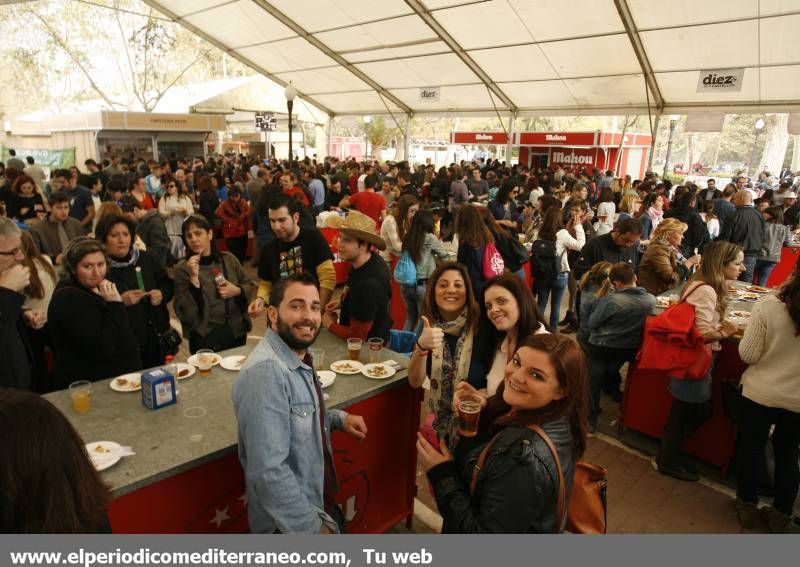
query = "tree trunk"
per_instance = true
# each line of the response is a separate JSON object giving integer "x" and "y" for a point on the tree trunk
{"x": 687, "y": 160}
{"x": 775, "y": 144}
{"x": 796, "y": 154}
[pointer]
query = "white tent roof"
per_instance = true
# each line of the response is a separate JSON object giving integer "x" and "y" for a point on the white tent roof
{"x": 523, "y": 56}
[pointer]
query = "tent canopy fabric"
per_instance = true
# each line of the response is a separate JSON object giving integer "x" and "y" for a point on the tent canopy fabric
{"x": 510, "y": 56}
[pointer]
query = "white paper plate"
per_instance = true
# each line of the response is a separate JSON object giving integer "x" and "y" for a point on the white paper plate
{"x": 127, "y": 382}
{"x": 194, "y": 361}
{"x": 109, "y": 454}
{"x": 347, "y": 367}
{"x": 183, "y": 367}
{"x": 233, "y": 362}
{"x": 378, "y": 371}
{"x": 326, "y": 378}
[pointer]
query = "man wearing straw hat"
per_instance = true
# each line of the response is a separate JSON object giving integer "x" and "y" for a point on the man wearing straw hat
{"x": 364, "y": 307}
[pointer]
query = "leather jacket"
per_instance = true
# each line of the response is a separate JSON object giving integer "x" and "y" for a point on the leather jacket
{"x": 517, "y": 487}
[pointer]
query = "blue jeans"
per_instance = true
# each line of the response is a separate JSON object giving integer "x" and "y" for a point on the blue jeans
{"x": 749, "y": 268}
{"x": 412, "y": 297}
{"x": 762, "y": 271}
{"x": 556, "y": 289}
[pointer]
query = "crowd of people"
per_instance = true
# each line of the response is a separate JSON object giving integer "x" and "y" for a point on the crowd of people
{"x": 92, "y": 264}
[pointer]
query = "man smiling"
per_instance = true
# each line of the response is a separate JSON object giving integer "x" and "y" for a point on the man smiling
{"x": 284, "y": 427}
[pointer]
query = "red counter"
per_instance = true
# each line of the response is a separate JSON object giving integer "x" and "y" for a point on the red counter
{"x": 647, "y": 402}
{"x": 377, "y": 479}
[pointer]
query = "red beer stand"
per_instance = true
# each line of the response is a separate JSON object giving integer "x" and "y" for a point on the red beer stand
{"x": 377, "y": 479}
{"x": 647, "y": 402}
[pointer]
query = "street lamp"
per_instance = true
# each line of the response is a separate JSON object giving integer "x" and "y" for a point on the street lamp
{"x": 367, "y": 120}
{"x": 290, "y": 92}
{"x": 673, "y": 122}
{"x": 759, "y": 125}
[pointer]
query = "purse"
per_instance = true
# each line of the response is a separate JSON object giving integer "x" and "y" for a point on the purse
{"x": 588, "y": 502}
{"x": 493, "y": 264}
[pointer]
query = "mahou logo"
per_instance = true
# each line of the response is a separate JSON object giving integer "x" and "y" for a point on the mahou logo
{"x": 572, "y": 159}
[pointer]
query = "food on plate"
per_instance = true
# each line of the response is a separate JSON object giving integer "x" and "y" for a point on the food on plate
{"x": 184, "y": 373}
{"x": 101, "y": 449}
{"x": 122, "y": 382}
{"x": 345, "y": 367}
{"x": 377, "y": 371}
{"x": 741, "y": 314}
{"x": 757, "y": 289}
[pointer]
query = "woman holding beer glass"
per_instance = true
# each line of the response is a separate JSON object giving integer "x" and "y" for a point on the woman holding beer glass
{"x": 92, "y": 337}
{"x": 516, "y": 488}
{"x": 443, "y": 351}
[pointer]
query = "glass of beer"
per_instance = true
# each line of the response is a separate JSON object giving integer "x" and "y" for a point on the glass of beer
{"x": 375, "y": 347}
{"x": 318, "y": 357}
{"x": 81, "y": 394}
{"x": 205, "y": 361}
{"x": 354, "y": 348}
{"x": 469, "y": 411}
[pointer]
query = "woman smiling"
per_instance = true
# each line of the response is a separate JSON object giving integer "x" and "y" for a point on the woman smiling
{"x": 516, "y": 487}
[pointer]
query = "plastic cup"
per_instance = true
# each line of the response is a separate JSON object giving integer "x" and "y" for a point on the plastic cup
{"x": 318, "y": 357}
{"x": 205, "y": 361}
{"x": 375, "y": 347}
{"x": 469, "y": 413}
{"x": 81, "y": 394}
{"x": 354, "y": 349}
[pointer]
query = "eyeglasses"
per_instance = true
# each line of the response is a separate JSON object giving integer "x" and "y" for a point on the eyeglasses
{"x": 13, "y": 252}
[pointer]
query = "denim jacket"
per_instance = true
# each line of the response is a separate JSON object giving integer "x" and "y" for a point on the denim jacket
{"x": 618, "y": 318}
{"x": 280, "y": 445}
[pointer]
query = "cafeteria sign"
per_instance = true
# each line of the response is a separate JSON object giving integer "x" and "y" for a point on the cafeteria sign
{"x": 720, "y": 80}
{"x": 49, "y": 159}
{"x": 430, "y": 94}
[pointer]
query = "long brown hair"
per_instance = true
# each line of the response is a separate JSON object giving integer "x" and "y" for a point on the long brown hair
{"x": 715, "y": 256}
{"x": 47, "y": 482}
{"x": 471, "y": 229}
{"x": 34, "y": 259}
{"x": 553, "y": 222}
{"x": 790, "y": 295}
{"x": 404, "y": 203}
{"x": 431, "y": 310}
{"x": 568, "y": 359}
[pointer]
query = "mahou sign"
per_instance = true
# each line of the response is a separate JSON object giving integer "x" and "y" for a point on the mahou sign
{"x": 575, "y": 157}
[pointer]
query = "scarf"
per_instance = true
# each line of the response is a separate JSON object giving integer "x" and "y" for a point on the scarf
{"x": 655, "y": 216}
{"x": 129, "y": 260}
{"x": 447, "y": 370}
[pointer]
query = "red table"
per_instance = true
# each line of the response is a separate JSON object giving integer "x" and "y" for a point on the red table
{"x": 377, "y": 479}
{"x": 647, "y": 402}
{"x": 785, "y": 266}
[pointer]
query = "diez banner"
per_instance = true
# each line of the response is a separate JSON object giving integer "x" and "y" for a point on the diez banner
{"x": 429, "y": 94}
{"x": 716, "y": 80}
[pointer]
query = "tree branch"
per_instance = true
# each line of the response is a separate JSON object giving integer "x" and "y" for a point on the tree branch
{"x": 128, "y": 57}
{"x": 162, "y": 92}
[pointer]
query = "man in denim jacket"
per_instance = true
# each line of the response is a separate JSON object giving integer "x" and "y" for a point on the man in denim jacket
{"x": 283, "y": 421}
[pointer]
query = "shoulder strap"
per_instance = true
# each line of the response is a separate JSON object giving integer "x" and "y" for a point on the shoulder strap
{"x": 560, "y": 500}
{"x": 683, "y": 298}
{"x": 560, "y": 510}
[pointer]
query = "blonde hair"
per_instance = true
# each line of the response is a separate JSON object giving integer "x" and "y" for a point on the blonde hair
{"x": 628, "y": 202}
{"x": 667, "y": 227}
{"x": 715, "y": 256}
{"x": 596, "y": 276}
{"x": 743, "y": 198}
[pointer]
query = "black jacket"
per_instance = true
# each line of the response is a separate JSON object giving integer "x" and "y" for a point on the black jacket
{"x": 15, "y": 368}
{"x": 603, "y": 248}
{"x": 517, "y": 487}
{"x": 92, "y": 337}
{"x": 143, "y": 317}
{"x": 696, "y": 236}
{"x": 153, "y": 231}
{"x": 746, "y": 228}
{"x": 791, "y": 216}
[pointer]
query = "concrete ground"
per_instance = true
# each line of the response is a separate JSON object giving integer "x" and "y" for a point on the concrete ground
{"x": 640, "y": 500}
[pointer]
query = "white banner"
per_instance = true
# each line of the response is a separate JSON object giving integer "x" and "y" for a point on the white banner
{"x": 704, "y": 121}
{"x": 430, "y": 94}
{"x": 720, "y": 80}
{"x": 794, "y": 124}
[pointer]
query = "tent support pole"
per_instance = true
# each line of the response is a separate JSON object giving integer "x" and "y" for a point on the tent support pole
{"x": 653, "y": 142}
{"x": 407, "y": 139}
{"x": 510, "y": 134}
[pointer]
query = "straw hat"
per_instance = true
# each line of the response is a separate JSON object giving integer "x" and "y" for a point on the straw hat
{"x": 331, "y": 220}
{"x": 358, "y": 225}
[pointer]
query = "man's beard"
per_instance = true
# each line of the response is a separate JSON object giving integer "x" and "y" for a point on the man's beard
{"x": 285, "y": 333}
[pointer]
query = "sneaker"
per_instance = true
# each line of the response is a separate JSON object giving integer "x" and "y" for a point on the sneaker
{"x": 747, "y": 513}
{"x": 777, "y": 523}
{"x": 677, "y": 471}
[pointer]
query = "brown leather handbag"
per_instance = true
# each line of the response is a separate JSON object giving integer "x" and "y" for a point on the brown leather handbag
{"x": 588, "y": 505}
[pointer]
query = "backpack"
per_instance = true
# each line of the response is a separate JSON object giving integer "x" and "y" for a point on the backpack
{"x": 545, "y": 264}
{"x": 493, "y": 264}
{"x": 672, "y": 343}
{"x": 405, "y": 272}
